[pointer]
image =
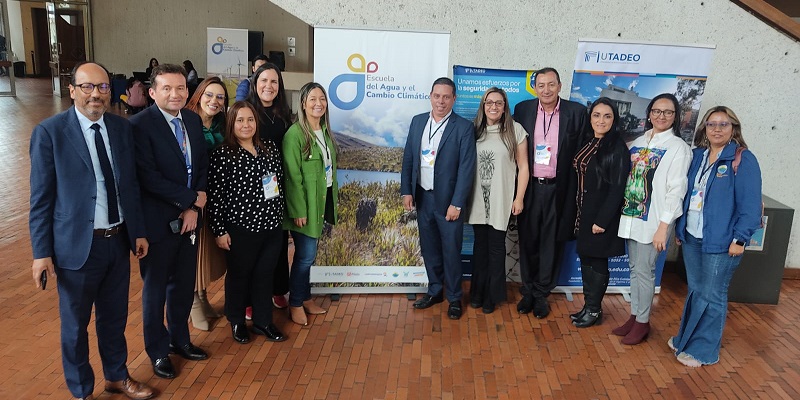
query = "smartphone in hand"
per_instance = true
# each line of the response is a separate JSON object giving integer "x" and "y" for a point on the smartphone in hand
{"x": 43, "y": 279}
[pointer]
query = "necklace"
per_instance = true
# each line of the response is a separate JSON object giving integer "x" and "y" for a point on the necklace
{"x": 271, "y": 119}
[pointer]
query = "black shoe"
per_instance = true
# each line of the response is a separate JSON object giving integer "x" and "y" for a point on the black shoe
{"x": 163, "y": 368}
{"x": 488, "y": 308}
{"x": 240, "y": 333}
{"x": 475, "y": 301}
{"x": 189, "y": 352}
{"x": 578, "y": 315}
{"x": 454, "y": 311}
{"x": 427, "y": 301}
{"x": 271, "y": 331}
{"x": 525, "y": 305}
{"x": 589, "y": 318}
{"x": 540, "y": 307}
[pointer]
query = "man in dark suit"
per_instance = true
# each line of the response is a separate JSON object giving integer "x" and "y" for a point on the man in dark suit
{"x": 555, "y": 127}
{"x": 173, "y": 166}
{"x": 85, "y": 219}
{"x": 438, "y": 170}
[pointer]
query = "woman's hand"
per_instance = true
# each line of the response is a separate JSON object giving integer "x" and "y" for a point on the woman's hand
{"x": 596, "y": 229}
{"x": 734, "y": 250}
{"x": 517, "y": 206}
{"x": 224, "y": 242}
{"x": 660, "y": 237}
{"x": 300, "y": 222}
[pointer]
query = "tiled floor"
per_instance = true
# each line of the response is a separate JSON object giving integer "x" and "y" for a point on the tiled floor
{"x": 376, "y": 346}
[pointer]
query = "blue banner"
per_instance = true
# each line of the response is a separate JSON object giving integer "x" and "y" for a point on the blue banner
{"x": 472, "y": 82}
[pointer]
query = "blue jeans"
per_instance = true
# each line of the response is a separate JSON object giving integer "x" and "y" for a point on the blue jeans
{"x": 305, "y": 252}
{"x": 703, "y": 320}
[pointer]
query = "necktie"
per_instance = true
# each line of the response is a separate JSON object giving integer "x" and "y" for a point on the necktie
{"x": 176, "y": 122}
{"x": 108, "y": 175}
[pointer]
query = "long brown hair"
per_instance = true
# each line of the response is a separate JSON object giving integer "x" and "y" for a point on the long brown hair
{"x": 305, "y": 126}
{"x": 194, "y": 102}
{"x": 700, "y": 138}
{"x": 230, "y": 135}
{"x": 506, "y": 122}
{"x": 280, "y": 105}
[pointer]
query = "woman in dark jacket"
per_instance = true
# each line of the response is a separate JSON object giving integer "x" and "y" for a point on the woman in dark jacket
{"x": 269, "y": 98}
{"x": 602, "y": 165}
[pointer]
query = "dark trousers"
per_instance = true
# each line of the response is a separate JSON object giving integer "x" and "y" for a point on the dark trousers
{"x": 280, "y": 277}
{"x": 168, "y": 272}
{"x": 103, "y": 281}
{"x": 440, "y": 242}
{"x": 251, "y": 262}
{"x": 539, "y": 251}
{"x": 489, "y": 265}
{"x": 598, "y": 264}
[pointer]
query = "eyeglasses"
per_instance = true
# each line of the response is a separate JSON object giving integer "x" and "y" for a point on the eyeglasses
{"x": 88, "y": 88}
{"x": 715, "y": 125}
{"x": 499, "y": 104}
{"x": 667, "y": 113}
{"x": 220, "y": 97}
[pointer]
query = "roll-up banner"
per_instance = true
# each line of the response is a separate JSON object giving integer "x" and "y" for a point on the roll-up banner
{"x": 226, "y": 56}
{"x": 631, "y": 74}
{"x": 376, "y": 80}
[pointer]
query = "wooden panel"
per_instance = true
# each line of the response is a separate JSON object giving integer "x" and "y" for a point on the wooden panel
{"x": 772, "y": 16}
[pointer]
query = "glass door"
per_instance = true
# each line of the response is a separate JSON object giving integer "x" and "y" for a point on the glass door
{"x": 70, "y": 40}
{"x": 7, "y": 87}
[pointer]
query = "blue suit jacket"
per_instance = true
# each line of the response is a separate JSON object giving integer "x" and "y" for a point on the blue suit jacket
{"x": 454, "y": 170}
{"x": 162, "y": 168}
{"x": 64, "y": 187}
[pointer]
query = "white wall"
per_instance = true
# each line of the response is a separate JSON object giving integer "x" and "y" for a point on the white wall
{"x": 127, "y": 33}
{"x": 756, "y": 69}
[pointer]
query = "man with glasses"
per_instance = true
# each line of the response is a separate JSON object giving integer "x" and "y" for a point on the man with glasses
{"x": 437, "y": 177}
{"x": 172, "y": 166}
{"x": 555, "y": 127}
{"x": 85, "y": 219}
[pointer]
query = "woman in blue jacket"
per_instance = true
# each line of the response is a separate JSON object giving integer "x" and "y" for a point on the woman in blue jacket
{"x": 721, "y": 211}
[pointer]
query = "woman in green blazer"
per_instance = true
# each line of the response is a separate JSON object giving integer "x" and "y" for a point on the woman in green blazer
{"x": 309, "y": 163}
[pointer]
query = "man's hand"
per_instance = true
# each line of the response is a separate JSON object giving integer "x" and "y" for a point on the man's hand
{"x": 189, "y": 218}
{"x": 39, "y": 265}
{"x": 141, "y": 247}
{"x": 408, "y": 202}
{"x": 596, "y": 229}
{"x": 224, "y": 242}
{"x": 201, "y": 199}
{"x": 452, "y": 213}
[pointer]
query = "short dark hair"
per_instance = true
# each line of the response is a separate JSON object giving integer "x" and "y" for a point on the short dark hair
{"x": 445, "y": 81}
{"x": 546, "y": 70}
{"x": 260, "y": 57}
{"x": 82, "y": 63}
{"x": 676, "y": 123}
{"x": 162, "y": 69}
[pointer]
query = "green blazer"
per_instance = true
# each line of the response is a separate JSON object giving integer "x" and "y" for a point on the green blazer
{"x": 306, "y": 189}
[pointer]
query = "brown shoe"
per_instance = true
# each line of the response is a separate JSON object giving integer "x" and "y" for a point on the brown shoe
{"x": 131, "y": 388}
{"x": 312, "y": 308}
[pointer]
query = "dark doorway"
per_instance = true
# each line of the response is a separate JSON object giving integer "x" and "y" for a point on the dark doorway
{"x": 41, "y": 47}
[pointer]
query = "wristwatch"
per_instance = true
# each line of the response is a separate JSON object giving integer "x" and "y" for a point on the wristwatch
{"x": 739, "y": 242}
{"x": 194, "y": 207}
{"x": 457, "y": 208}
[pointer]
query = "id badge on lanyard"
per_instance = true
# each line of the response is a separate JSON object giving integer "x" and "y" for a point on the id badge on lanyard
{"x": 541, "y": 154}
{"x": 428, "y": 158}
{"x": 270, "y": 184}
{"x": 329, "y": 174}
{"x": 696, "y": 201}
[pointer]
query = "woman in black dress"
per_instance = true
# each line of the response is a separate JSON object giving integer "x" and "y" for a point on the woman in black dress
{"x": 602, "y": 165}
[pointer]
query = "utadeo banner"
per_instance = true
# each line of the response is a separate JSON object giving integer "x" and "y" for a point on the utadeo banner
{"x": 376, "y": 80}
{"x": 631, "y": 74}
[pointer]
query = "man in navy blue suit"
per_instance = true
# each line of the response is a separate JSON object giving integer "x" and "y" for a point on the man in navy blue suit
{"x": 172, "y": 165}
{"x": 437, "y": 175}
{"x": 85, "y": 219}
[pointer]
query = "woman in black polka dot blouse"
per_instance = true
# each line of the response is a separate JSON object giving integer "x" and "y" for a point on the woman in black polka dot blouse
{"x": 246, "y": 204}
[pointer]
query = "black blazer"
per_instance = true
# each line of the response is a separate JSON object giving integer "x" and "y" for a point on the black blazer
{"x": 602, "y": 205}
{"x": 63, "y": 187}
{"x": 162, "y": 168}
{"x": 571, "y": 133}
